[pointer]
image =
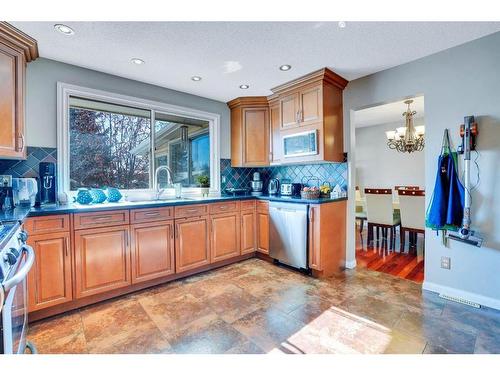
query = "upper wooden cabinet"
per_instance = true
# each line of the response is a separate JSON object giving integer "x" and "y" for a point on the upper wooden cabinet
{"x": 16, "y": 49}
{"x": 309, "y": 104}
{"x": 249, "y": 131}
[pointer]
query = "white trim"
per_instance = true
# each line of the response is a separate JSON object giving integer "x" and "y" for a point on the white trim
{"x": 65, "y": 90}
{"x": 452, "y": 292}
{"x": 350, "y": 264}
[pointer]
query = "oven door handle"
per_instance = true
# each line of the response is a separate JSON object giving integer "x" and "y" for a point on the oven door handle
{"x": 23, "y": 271}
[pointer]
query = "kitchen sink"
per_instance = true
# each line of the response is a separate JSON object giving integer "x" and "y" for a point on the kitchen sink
{"x": 151, "y": 197}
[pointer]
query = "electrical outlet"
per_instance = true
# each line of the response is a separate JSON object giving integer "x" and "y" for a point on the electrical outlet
{"x": 446, "y": 263}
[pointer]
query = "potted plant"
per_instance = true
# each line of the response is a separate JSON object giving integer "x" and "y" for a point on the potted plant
{"x": 204, "y": 182}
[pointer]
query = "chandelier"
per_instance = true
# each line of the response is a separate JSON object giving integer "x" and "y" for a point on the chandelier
{"x": 407, "y": 138}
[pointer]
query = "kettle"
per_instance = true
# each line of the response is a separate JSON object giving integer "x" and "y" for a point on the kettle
{"x": 273, "y": 187}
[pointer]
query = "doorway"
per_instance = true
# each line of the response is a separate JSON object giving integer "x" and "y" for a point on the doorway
{"x": 389, "y": 176}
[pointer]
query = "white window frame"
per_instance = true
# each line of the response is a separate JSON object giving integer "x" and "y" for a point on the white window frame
{"x": 66, "y": 90}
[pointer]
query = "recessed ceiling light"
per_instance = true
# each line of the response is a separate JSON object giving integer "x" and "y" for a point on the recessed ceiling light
{"x": 285, "y": 67}
{"x": 63, "y": 29}
{"x": 342, "y": 24}
{"x": 196, "y": 78}
{"x": 244, "y": 87}
{"x": 137, "y": 61}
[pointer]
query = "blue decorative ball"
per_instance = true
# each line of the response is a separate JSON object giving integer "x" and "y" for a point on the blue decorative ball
{"x": 98, "y": 195}
{"x": 114, "y": 195}
{"x": 83, "y": 196}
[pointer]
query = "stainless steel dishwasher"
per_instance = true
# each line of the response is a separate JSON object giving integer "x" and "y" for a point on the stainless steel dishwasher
{"x": 288, "y": 233}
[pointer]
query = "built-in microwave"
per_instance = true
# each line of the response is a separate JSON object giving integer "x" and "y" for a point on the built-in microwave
{"x": 300, "y": 144}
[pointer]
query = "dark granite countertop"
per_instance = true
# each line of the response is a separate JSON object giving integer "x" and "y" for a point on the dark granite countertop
{"x": 17, "y": 214}
{"x": 72, "y": 208}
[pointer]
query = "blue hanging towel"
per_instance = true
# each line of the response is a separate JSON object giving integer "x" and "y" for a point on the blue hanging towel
{"x": 447, "y": 204}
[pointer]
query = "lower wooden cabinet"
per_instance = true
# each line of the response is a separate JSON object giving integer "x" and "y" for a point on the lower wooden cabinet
{"x": 263, "y": 232}
{"x": 102, "y": 260}
{"x": 225, "y": 236}
{"x": 192, "y": 244}
{"x": 248, "y": 232}
{"x": 152, "y": 250}
{"x": 314, "y": 231}
{"x": 49, "y": 281}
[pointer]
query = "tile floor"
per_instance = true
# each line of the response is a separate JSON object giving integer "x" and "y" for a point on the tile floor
{"x": 256, "y": 307}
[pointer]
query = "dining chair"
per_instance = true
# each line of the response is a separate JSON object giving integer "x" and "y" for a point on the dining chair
{"x": 397, "y": 188}
{"x": 412, "y": 210}
{"x": 380, "y": 214}
{"x": 360, "y": 214}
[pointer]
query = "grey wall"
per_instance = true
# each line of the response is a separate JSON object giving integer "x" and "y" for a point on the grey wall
{"x": 42, "y": 78}
{"x": 380, "y": 167}
{"x": 463, "y": 80}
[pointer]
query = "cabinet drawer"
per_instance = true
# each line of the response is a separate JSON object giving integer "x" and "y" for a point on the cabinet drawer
{"x": 220, "y": 207}
{"x": 101, "y": 219}
{"x": 146, "y": 215}
{"x": 191, "y": 210}
{"x": 262, "y": 206}
{"x": 47, "y": 224}
{"x": 247, "y": 205}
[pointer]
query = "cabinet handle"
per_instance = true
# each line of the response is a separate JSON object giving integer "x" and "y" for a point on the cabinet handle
{"x": 212, "y": 225}
{"x": 172, "y": 230}
{"x": 126, "y": 238}
{"x": 177, "y": 231}
{"x": 297, "y": 117}
{"x": 155, "y": 213}
{"x": 66, "y": 246}
{"x": 311, "y": 214}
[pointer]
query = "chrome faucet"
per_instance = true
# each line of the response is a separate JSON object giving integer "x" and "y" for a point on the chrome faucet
{"x": 155, "y": 182}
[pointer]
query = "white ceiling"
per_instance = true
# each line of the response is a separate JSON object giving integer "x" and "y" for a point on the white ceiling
{"x": 228, "y": 54}
{"x": 388, "y": 113}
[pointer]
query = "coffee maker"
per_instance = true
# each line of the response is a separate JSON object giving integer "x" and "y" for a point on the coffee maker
{"x": 48, "y": 193}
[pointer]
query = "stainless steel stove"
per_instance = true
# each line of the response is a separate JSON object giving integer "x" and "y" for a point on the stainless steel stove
{"x": 16, "y": 259}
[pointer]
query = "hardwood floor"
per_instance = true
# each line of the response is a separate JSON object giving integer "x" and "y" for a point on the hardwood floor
{"x": 408, "y": 265}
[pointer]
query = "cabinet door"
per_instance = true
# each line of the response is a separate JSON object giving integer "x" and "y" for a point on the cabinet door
{"x": 152, "y": 251}
{"x": 314, "y": 238}
{"x": 275, "y": 140}
{"x": 248, "y": 232}
{"x": 49, "y": 280}
{"x": 255, "y": 136}
{"x": 311, "y": 105}
{"x": 12, "y": 68}
{"x": 192, "y": 245}
{"x": 225, "y": 236}
{"x": 263, "y": 232}
{"x": 102, "y": 260}
{"x": 289, "y": 110}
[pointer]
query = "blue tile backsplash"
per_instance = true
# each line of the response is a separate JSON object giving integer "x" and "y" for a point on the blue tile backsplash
{"x": 333, "y": 173}
{"x": 309, "y": 174}
{"x": 28, "y": 167}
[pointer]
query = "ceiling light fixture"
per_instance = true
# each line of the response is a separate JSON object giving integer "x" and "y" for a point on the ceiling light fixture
{"x": 63, "y": 29}
{"x": 244, "y": 87}
{"x": 137, "y": 61}
{"x": 342, "y": 24}
{"x": 196, "y": 78}
{"x": 408, "y": 138}
{"x": 285, "y": 67}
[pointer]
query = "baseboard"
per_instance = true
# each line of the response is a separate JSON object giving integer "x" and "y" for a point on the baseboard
{"x": 350, "y": 264}
{"x": 452, "y": 292}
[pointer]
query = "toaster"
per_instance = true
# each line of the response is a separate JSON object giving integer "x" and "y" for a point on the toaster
{"x": 290, "y": 189}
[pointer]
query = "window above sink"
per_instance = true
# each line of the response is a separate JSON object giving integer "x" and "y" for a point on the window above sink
{"x": 106, "y": 139}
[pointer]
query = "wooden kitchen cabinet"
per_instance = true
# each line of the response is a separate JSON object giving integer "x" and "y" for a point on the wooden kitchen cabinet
{"x": 102, "y": 260}
{"x": 249, "y": 131}
{"x": 248, "y": 231}
{"x": 152, "y": 250}
{"x": 16, "y": 49}
{"x": 289, "y": 108}
{"x": 327, "y": 228}
{"x": 262, "y": 227}
{"x": 50, "y": 278}
{"x": 192, "y": 243}
{"x": 275, "y": 136}
{"x": 224, "y": 236}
